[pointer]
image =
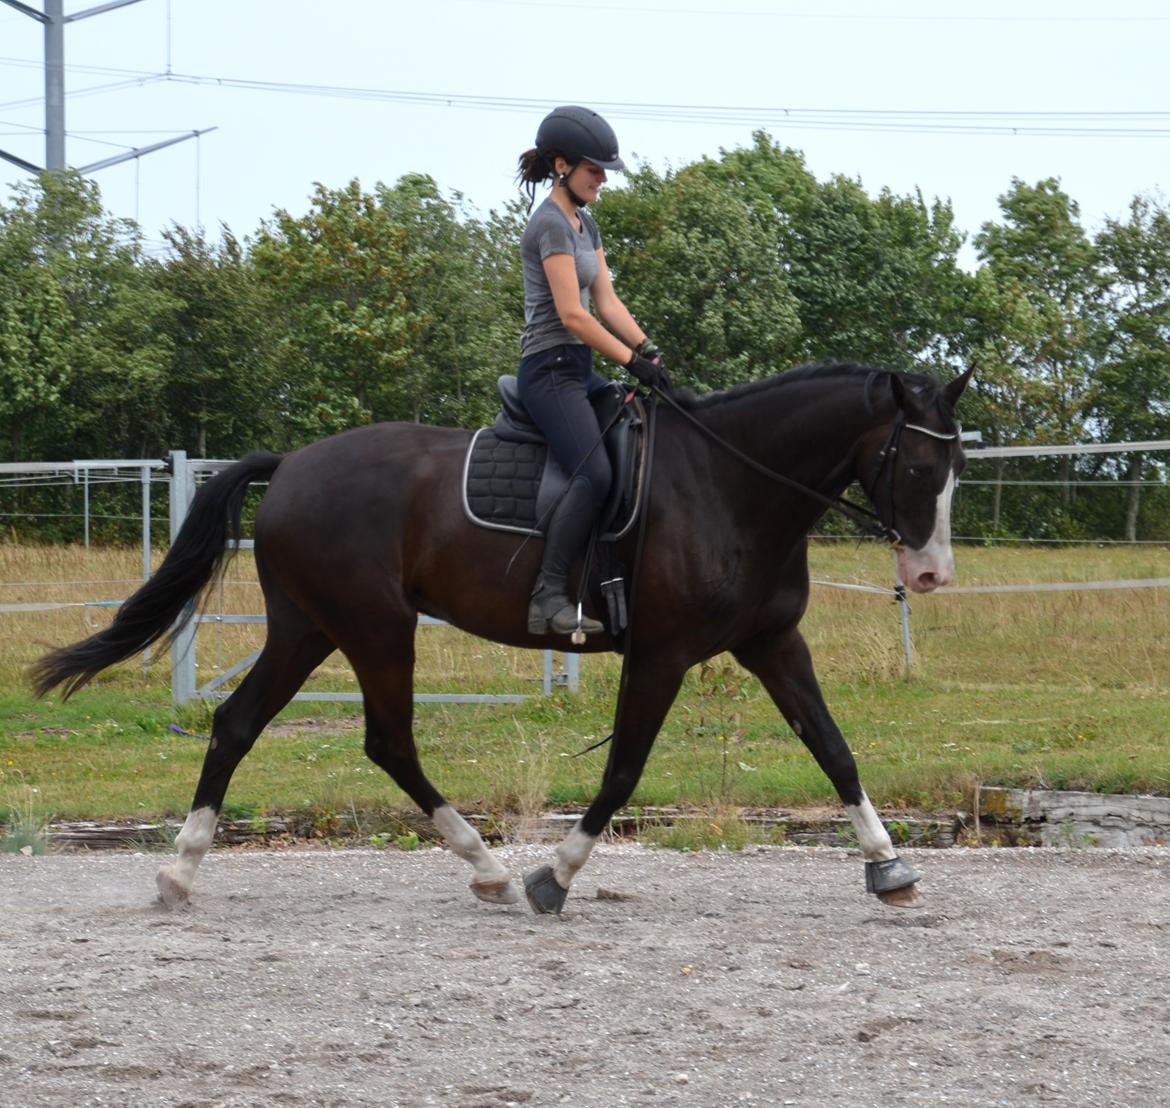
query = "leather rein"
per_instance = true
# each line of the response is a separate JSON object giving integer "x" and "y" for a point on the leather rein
{"x": 871, "y": 522}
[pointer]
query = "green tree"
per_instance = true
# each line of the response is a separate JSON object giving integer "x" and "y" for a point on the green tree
{"x": 875, "y": 280}
{"x": 338, "y": 279}
{"x": 33, "y": 321}
{"x": 222, "y": 389}
{"x": 1045, "y": 294}
{"x": 85, "y": 352}
{"x": 467, "y": 331}
{"x": 1132, "y": 402}
{"x": 701, "y": 275}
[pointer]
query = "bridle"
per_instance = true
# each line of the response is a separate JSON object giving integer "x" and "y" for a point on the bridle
{"x": 877, "y": 524}
{"x": 886, "y": 467}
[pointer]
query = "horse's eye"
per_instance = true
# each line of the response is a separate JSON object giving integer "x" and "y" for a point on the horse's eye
{"x": 919, "y": 472}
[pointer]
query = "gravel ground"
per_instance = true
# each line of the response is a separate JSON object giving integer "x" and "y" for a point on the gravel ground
{"x": 1030, "y": 977}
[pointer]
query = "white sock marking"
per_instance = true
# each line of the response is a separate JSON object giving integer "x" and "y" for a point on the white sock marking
{"x": 572, "y": 854}
{"x": 193, "y": 842}
{"x": 466, "y": 842}
{"x": 873, "y": 837}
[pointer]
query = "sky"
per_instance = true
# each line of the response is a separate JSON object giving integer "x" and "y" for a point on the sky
{"x": 988, "y": 90}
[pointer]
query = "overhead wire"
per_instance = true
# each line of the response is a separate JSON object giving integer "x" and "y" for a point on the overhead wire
{"x": 1065, "y": 123}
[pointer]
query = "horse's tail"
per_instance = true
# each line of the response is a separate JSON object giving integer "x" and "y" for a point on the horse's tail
{"x": 163, "y": 604}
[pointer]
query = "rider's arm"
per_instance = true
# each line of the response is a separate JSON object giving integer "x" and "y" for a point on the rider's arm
{"x": 562, "y": 280}
{"x": 614, "y": 314}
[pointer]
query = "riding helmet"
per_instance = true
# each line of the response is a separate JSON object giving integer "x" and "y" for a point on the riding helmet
{"x": 579, "y": 133}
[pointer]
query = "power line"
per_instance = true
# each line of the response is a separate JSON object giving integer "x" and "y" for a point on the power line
{"x": 90, "y": 90}
{"x": 881, "y": 16}
{"x": 990, "y": 122}
{"x": 927, "y": 121}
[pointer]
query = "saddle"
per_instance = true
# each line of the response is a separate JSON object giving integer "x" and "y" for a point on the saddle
{"x": 512, "y": 483}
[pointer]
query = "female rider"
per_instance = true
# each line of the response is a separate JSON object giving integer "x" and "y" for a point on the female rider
{"x": 564, "y": 269}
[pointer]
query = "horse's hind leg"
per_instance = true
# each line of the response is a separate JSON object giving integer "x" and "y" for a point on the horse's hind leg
{"x": 783, "y": 664}
{"x": 292, "y": 651}
{"x": 388, "y": 687}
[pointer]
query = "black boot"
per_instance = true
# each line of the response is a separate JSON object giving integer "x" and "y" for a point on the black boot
{"x": 550, "y": 610}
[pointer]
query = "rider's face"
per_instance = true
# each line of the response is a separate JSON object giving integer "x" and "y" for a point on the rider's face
{"x": 585, "y": 179}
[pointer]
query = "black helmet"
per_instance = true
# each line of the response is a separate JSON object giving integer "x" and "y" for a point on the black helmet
{"x": 578, "y": 133}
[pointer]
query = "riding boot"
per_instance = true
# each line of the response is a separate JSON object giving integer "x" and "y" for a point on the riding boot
{"x": 550, "y": 610}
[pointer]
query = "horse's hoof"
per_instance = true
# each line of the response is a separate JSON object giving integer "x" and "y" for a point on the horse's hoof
{"x": 170, "y": 891}
{"x": 888, "y": 876}
{"x": 496, "y": 892}
{"x": 907, "y": 897}
{"x": 544, "y": 892}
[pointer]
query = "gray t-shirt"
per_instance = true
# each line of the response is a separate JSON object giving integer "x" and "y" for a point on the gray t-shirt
{"x": 550, "y": 232}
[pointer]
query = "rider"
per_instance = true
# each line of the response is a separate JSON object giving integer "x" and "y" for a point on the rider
{"x": 564, "y": 266}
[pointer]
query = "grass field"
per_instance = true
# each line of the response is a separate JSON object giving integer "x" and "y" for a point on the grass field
{"x": 1066, "y": 689}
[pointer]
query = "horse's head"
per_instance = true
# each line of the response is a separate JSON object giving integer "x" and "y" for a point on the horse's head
{"x": 909, "y": 474}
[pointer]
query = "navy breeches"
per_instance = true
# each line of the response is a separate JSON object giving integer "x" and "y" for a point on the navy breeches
{"x": 555, "y": 386}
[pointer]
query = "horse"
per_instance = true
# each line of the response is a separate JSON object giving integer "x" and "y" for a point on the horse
{"x": 359, "y": 533}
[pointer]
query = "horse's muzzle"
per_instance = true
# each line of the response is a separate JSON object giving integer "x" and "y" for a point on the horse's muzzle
{"x": 927, "y": 569}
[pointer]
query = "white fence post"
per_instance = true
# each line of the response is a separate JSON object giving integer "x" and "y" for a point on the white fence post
{"x": 145, "y": 476}
{"x": 904, "y": 611}
{"x": 183, "y": 650}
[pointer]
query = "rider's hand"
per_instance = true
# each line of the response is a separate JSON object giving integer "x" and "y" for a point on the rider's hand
{"x": 649, "y": 370}
{"x": 648, "y": 350}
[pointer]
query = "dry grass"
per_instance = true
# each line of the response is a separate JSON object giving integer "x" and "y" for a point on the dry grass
{"x": 447, "y": 660}
{"x": 1061, "y": 689}
{"x": 1114, "y": 639}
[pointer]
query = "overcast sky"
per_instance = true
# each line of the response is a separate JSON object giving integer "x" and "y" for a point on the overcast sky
{"x": 651, "y": 67}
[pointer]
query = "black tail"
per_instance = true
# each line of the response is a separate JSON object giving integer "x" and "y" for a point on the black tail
{"x": 156, "y": 609}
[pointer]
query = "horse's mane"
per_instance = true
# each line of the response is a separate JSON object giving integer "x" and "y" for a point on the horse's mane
{"x": 706, "y": 402}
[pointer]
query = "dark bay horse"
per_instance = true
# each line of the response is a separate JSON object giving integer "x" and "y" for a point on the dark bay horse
{"x": 361, "y": 532}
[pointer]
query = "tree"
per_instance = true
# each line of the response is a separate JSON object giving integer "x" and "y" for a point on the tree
{"x": 701, "y": 276}
{"x": 1044, "y": 294}
{"x": 221, "y": 392}
{"x": 874, "y": 280}
{"x": 338, "y": 281}
{"x": 468, "y": 332}
{"x": 1132, "y": 401}
{"x": 84, "y": 346}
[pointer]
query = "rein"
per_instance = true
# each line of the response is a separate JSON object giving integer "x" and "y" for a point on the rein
{"x": 869, "y": 521}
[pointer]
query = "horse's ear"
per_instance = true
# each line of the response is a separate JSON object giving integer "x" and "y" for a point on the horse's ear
{"x": 954, "y": 390}
{"x": 898, "y": 389}
{"x": 904, "y": 396}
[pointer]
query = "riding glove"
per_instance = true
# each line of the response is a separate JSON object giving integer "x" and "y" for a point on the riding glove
{"x": 650, "y": 371}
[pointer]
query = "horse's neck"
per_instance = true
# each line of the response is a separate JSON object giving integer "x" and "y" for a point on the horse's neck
{"x": 806, "y": 430}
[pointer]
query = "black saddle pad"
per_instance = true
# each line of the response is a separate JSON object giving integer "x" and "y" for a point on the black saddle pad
{"x": 501, "y": 482}
{"x": 511, "y": 483}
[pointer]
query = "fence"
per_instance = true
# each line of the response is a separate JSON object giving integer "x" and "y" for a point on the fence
{"x": 183, "y": 474}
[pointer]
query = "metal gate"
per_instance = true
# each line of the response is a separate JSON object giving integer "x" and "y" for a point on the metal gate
{"x": 184, "y": 687}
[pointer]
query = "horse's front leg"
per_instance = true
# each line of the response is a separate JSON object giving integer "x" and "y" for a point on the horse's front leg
{"x": 651, "y": 686}
{"x": 782, "y": 662}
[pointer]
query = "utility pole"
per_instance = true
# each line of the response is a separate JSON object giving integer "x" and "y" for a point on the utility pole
{"x": 54, "y": 19}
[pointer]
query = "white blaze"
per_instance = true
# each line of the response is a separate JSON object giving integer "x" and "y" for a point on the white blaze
{"x": 934, "y": 565}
